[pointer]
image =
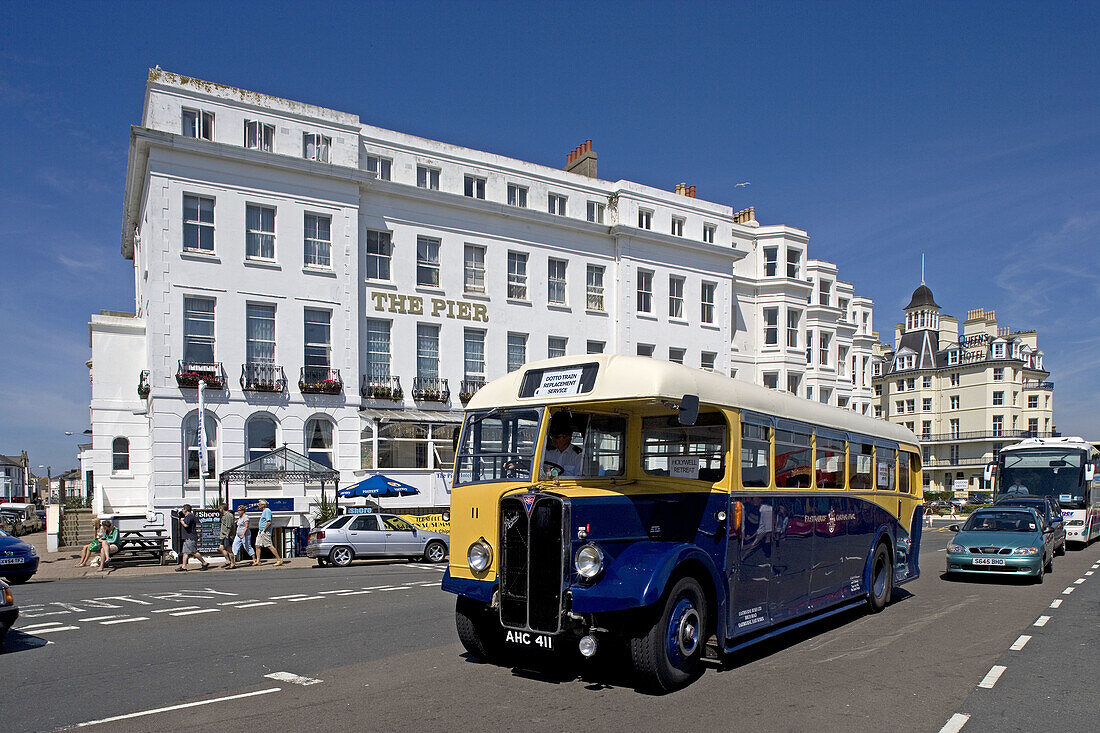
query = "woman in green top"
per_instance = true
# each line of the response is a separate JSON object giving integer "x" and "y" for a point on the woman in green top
{"x": 92, "y": 548}
{"x": 108, "y": 543}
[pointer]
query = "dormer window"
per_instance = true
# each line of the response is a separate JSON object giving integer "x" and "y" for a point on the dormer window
{"x": 259, "y": 135}
{"x": 316, "y": 147}
{"x": 999, "y": 350}
{"x": 197, "y": 123}
{"x": 953, "y": 356}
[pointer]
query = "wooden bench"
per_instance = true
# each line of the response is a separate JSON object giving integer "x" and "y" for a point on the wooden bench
{"x": 137, "y": 544}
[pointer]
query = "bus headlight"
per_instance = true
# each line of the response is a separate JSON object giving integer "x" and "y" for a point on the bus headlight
{"x": 955, "y": 549}
{"x": 589, "y": 561}
{"x": 479, "y": 556}
{"x": 1026, "y": 551}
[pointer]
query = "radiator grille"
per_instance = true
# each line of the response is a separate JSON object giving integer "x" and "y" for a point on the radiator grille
{"x": 532, "y": 563}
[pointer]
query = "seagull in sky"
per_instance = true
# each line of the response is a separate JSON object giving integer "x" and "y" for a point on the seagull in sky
{"x": 742, "y": 184}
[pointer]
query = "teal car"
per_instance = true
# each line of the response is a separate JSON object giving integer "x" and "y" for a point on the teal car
{"x": 1002, "y": 540}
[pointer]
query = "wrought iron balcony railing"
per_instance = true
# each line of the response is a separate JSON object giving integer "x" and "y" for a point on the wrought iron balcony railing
{"x": 986, "y": 435}
{"x": 381, "y": 388}
{"x": 262, "y": 377}
{"x": 431, "y": 389}
{"x": 1036, "y": 384}
{"x": 143, "y": 384}
{"x": 190, "y": 373}
{"x": 320, "y": 380}
{"x": 469, "y": 389}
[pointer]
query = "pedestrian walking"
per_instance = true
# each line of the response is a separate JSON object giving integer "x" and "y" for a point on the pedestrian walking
{"x": 189, "y": 530}
{"x": 263, "y": 536}
{"x": 225, "y": 537}
{"x": 241, "y": 536}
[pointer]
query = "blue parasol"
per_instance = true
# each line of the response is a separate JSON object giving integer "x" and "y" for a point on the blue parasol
{"x": 377, "y": 486}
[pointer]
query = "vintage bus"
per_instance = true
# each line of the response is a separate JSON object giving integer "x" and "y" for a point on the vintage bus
{"x": 693, "y": 506}
{"x": 1061, "y": 468}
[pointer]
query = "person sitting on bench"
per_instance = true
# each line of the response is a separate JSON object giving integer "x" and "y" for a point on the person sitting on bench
{"x": 108, "y": 543}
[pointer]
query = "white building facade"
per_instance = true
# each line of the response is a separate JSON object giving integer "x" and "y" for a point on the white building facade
{"x": 343, "y": 289}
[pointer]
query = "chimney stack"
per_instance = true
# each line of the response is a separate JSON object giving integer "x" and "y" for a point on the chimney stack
{"x": 744, "y": 216}
{"x": 685, "y": 190}
{"x": 582, "y": 160}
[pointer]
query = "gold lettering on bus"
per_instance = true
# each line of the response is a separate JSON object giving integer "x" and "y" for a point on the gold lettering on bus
{"x": 439, "y": 307}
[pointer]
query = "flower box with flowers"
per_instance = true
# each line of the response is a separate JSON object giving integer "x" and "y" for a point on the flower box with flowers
{"x": 191, "y": 379}
{"x": 465, "y": 397}
{"x": 431, "y": 395}
{"x": 325, "y": 386}
{"x": 382, "y": 392}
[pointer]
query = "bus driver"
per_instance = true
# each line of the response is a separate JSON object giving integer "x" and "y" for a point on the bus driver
{"x": 561, "y": 449}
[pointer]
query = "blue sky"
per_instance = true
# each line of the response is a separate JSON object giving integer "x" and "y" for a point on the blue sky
{"x": 967, "y": 131}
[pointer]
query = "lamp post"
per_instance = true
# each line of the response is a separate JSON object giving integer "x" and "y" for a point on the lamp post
{"x": 49, "y": 480}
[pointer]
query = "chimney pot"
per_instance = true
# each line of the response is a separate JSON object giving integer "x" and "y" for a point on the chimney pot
{"x": 691, "y": 191}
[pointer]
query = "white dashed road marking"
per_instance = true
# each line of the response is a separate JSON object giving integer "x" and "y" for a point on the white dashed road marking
{"x": 1087, "y": 572}
{"x": 303, "y": 598}
{"x": 255, "y": 605}
{"x": 958, "y": 720}
{"x": 1068, "y": 590}
{"x": 1020, "y": 643}
{"x": 1079, "y": 581}
{"x": 55, "y": 628}
{"x": 178, "y": 608}
{"x": 1041, "y": 621}
{"x": 190, "y": 613}
{"x": 991, "y": 678}
{"x": 1055, "y": 603}
{"x": 100, "y": 618}
{"x": 39, "y": 626}
{"x": 342, "y": 590}
{"x": 230, "y": 603}
{"x": 124, "y": 620}
{"x": 282, "y": 598}
{"x": 293, "y": 678}
{"x": 179, "y": 707}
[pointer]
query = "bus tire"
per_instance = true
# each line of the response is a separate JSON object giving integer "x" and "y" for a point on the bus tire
{"x": 667, "y": 649}
{"x": 480, "y": 633}
{"x": 882, "y": 579}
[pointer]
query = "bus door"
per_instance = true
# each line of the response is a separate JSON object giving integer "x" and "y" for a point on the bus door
{"x": 749, "y": 552}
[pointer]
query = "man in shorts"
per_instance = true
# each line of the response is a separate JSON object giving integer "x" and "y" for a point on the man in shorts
{"x": 189, "y": 531}
{"x": 263, "y": 535}
{"x": 225, "y": 537}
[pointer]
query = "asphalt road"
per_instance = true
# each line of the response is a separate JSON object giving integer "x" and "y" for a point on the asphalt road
{"x": 379, "y": 640}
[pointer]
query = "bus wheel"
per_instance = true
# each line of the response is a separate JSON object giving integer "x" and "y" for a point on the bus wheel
{"x": 666, "y": 654}
{"x": 479, "y": 632}
{"x": 882, "y": 579}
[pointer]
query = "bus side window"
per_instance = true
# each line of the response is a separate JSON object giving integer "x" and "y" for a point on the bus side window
{"x": 792, "y": 459}
{"x": 755, "y": 470}
{"x": 860, "y": 461}
{"x": 830, "y": 463}
{"x": 903, "y": 471}
{"x": 886, "y": 461}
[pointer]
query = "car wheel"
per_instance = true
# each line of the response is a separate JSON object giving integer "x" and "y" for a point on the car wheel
{"x": 341, "y": 556}
{"x": 882, "y": 579}
{"x": 478, "y": 629}
{"x": 1039, "y": 575}
{"x": 18, "y": 579}
{"x": 435, "y": 551}
{"x": 321, "y": 562}
{"x": 1049, "y": 567}
{"x": 1061, "y": 550}
{"x": 667, "y": 651}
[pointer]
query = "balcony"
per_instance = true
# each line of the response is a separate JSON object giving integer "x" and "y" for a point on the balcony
{"x": 986, "y": 435}
{"x": 381, "y": 388}
{"x": 1036, "y": 384}
{"x": 320, "y": 380}
{"x": 431, "y": 389}
{"x": 262, "y": 377}
{"x": 948, "y": 463}
{"x": 143, "y": 384}
{"x": 469, "y": 389}
{"x": 190, "y": 373}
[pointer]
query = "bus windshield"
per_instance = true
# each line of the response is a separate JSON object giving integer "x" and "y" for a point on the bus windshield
{"x": 1051, "y": 472}
{"x": 497, "y": 445}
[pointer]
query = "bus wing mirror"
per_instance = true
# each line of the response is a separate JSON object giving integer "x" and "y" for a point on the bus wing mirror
{"x": 689, "y": 409}
{"x": 1090, "y": 471}
{"x": 988, "y": 472}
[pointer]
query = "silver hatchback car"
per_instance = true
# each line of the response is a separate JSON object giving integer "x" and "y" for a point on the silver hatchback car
{"x": 355, "y": 536}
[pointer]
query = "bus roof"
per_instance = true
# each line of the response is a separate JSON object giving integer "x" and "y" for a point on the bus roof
{"x": 622, "y": 377}
{"x": 1071, "y": 442}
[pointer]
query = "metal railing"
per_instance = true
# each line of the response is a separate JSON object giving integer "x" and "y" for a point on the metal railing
{"x": 1036, "y": 384}
{"x": 987, "y": 435}
{"x": 190, "y": 373}
{"x": 262, "y": 377}
{"x": 431, "y": 389}
{"x": 320, "y": 380}
{"x": 381, "y": 388}
{"x": 469, "y": 389}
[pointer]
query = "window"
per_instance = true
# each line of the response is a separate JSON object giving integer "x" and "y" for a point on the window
{"x": 198, "y": 330}
{"x": 645, "y": 291}
{"x": 427, "y": 262}
{"x": 809, "y": 392}
{"x": 555, "y": 346}
{"x": 771, "y": 380}
{"x": 517, "y": 350}
{"x": 953, "y": 454}
{"x": 596, "y": 212}
{"x": 926, "y": 404}
{"x": 771, "y": 326}
{"x": 120, "y": 455}
{"x": 826, "y": 395}
{"x": 925, "y": 429}
{"x": 198, "y": 124}
{"x": 680, "y": 451}
{"x": 316, "y": 147}
{"x": 191, "y": 445}
{"x": 954, "y": 402}
{"x": 318, "y": 439}
{"x": 860, "y": 466}
{"x": 927, "y": 382}
{"x": 414, "y": 445}
{"x": 771, "y": 261}
{"x": 706, "y": 360}
{"x": 830, "y": 463}
{"x": 427, "y": 351}
{"x": 793, "y": 317}
{"x": 842, "y": 304}
{"x": 824, "y": 292}
{"x": 379, "y": 251}
{"x": 708, "y": 233}
{"x": 378, "y": 350}
{"x": 953, "y": 428}
{"x": 878, "y": 390}
{"x": 198, "y": 224}
{"x": 998, "y": 425}
{"x": 259, "y": 232}
{"x": 555, "y": 204}
{"x": 645, "y": 219}
{"x": 676, "y": 356}
{"x": 823, "y": 348}
{"x": 318, "y": 241}
{"x": 911, "y": 384}
{"x": 260, "y": 333}
{"x": 809, "y": 347}
{"x": 878, "y": 411}
{"x": 794, "y": 259}
{"x": 706, "y": 302}
{"x": 998, "y": 351}
{"x": 755, "y": 450}
{"x": 899, "y": 407}
{"x": 953, "y": 356}
{"x": 901, "y": 385}
{"x": 259, "y": 135}
{"x": 677, "y": 226}
{"x": 1033, "y": 401}
{"x": 379, "y": 166}
{"x": 555, "y": 282}
{"x": 887, "y": 464}
{"x": 427, "y": 177}
{"x": 594, "y": 347}
{"x": 675, "y": 297}
{"x": 317, "y": 340}
{"x": 473, "y": 269}
{"x": 1033, "y": 425}
{"x": 998, "y": 398}
{"x": 794, "y": 381}
{"x": 645, "y": 350}
{"x": 473, "y": 364}
{"x": 955, "y": 379}
{"x": 594, "y": 288}
{"x": 260, "y": 437}
{"x": 792, "y": 459}
{"x": 1015, "y": 398}
{"x": 911, "y": 405}
{"x": 472, "y": 186}
{"x": 999, "y": 374}
{"x": 517, "y": 276}
{"x": 517, "y": 195}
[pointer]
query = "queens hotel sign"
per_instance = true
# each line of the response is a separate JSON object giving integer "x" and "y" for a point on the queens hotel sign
{"x": 437, "y": 307}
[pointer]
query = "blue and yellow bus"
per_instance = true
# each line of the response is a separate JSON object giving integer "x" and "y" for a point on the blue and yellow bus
{"x": 612, "y": 499}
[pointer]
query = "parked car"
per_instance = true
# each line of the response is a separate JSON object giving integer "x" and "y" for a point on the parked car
{"x": 979, "y": 500}
{"x": 9, "y": 612}
{"x": 938, "y": 505}
{"x": 7, "y": 525}
{"x": 354, "y": 536}
{"x": 27, "y": 513}
{"x": 1002, "y": 540}
{"x": 1048, "y": 510}
{"x": 18, "y": 559}
{"x": 15, "y": 520}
